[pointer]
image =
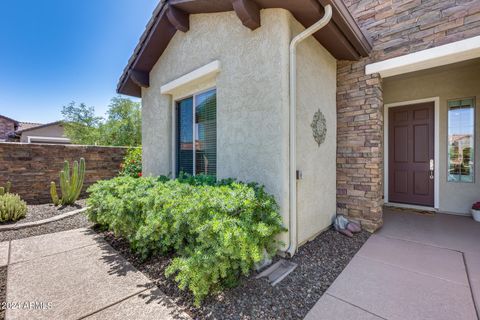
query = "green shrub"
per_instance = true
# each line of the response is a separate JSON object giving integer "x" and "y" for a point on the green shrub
{"x": 12, "y": 207}
{"x": 217, "y": 230}
{"x": 203, "y": 180}
{"x": 132, "y": 163}
{"x": 119, "y": 204}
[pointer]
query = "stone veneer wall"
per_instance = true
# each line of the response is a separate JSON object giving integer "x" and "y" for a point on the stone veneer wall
{"x": 31, "y": 167}
{"x": 397, "y": 27}
{"x": 6, "y": 126}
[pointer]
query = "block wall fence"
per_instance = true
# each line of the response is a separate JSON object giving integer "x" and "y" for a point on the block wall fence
{"x": 31, "y": 167}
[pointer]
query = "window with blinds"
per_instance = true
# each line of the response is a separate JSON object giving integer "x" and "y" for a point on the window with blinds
{"x": 197, "y": 134}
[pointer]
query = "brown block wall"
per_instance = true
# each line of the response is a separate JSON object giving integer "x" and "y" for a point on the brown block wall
{"x": 396, "y": 27}
{"x": 31, "y": 167}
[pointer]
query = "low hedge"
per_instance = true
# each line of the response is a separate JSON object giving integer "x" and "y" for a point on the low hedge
{"x": 217, "y": 230}
{"x": 12, "y": 207}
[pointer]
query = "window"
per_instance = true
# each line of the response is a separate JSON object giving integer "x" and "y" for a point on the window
{"x": 197, "y": 134}
{"x": 461, "y": 136}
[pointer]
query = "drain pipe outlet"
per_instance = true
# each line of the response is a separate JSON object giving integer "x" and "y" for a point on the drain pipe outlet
{"x": 292, "y": 230}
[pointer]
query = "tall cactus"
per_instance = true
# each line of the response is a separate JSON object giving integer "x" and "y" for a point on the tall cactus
{"x": 6, "y": 189}
{"x": 53, "y": 194}
{"x": 70, "y": 183}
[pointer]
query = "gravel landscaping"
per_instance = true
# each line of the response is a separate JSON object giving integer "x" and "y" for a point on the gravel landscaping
{"x": 74, "y": 222}
{"x": 319, "y": 263}
{"x": 3, "y": 289}
{"x": 44, "y": 211}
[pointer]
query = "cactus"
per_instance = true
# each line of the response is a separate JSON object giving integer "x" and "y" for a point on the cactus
{"x": 5, "y": 189}
{"x": 8, "y": 186}
{"x": 12, "y": 207}
{"x": 71, "y": 184}
{"x": 53, "y": 193}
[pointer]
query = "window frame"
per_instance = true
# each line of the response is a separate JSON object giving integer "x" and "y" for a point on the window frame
{"x": 175, "y": 141}
{"x": 474, "y": 106}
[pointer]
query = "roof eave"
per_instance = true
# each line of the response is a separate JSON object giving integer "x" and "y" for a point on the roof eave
{"x": 160, "y": 29}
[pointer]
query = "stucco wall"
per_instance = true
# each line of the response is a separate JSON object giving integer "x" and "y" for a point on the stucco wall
{"x": 53, "y": 131}
{"x": 450, "y": 82}
{"x": 316, "y": 85}
{"x": 252, "y": 97}
{"x": 252, "y": 108}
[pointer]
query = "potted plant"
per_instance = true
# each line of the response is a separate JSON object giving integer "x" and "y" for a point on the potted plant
{"x": 476, "y": 211}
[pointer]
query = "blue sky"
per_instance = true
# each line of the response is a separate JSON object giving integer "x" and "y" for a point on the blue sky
{"x": 53, "y": 52}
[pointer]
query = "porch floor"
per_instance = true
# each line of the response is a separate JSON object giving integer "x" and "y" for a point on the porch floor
{"x": 416, "y": 267}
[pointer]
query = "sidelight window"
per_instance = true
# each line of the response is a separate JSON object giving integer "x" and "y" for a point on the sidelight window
{"x": 461, "y": 140}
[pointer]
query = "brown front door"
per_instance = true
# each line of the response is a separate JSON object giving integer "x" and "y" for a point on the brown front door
{"x": 411, "y": 150}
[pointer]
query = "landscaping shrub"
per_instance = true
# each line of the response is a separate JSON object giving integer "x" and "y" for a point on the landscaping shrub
{"x": 12, "y": 207}
{"x": 119, "y": 204}
{"x": 132, "y": 163}
{"x": 217, "y": 230}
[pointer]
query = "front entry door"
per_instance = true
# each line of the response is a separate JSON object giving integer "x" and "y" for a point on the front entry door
{"x": 411, "y": 152}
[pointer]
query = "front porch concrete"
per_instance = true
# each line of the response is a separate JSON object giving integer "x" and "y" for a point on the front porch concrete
{"x": 416, "y": 267}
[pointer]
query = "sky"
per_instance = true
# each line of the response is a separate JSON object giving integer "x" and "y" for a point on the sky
{"x": 53, "y": 52}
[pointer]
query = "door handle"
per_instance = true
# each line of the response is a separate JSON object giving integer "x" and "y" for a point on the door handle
{"x": 432, "y": 169}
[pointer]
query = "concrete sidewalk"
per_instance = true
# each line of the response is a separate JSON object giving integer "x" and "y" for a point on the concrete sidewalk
{"x": 77, "y": 275}
{"x": 416, "y": 267}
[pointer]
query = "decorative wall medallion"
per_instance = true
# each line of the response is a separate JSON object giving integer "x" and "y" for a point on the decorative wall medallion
{"x": 319, "y": 127}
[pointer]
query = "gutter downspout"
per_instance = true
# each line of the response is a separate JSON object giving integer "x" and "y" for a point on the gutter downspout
{"x": 292, "y": 248}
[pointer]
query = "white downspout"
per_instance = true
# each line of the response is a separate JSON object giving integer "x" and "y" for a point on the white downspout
{"x": 292, "y": 230}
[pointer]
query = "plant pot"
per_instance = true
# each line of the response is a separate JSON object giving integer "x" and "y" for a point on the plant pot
{"x": 476, "y": 215}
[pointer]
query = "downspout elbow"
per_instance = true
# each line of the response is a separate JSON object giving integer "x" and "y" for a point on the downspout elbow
{"x": 292, "y": 221}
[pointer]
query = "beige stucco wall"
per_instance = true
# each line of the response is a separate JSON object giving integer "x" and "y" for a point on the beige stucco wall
{"x": 316, "y": 85}
{"x": 450, "y": 82}
{"x": 53, "y": 131}
{"x": 252, "y": 108}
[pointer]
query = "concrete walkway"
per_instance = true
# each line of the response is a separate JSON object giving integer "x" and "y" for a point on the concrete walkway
{"x": 416, "y": 267}
{"x": 77, "y": 275}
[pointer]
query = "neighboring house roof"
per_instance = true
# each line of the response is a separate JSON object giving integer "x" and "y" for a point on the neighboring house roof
{"x": 342, "y": 36}
{"x": 27, "y": 125}
{"x": 32, "y": 126}
{"x": 10, "y": 119}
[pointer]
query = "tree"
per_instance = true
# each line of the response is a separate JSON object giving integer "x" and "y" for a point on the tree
{"x": 122, "y": 127}
{"x": 81, "y": 125}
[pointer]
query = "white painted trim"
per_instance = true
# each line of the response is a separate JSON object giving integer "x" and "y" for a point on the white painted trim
{"x": 174, "y": 139}
{"x": 436, "y": 101}
{"x": 199, "y": 75}
{"x": 442, "y": 55}
{"x": 47, "y": 139}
